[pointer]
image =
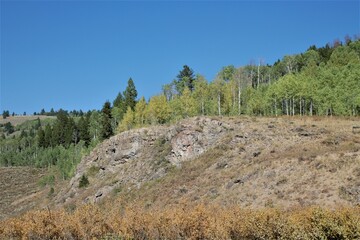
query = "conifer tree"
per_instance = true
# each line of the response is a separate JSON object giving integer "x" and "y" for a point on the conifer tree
{"x": 130, "y": 95}
{"x": 48, "y": 136}
{"x": 185, "y": 78}
{"x": 83, "y": 127}
{"x": 106, "y": 128}
{"x": 41, "y": 137}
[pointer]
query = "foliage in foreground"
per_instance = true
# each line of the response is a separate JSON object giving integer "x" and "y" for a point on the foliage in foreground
{"x": 184, "y": 222}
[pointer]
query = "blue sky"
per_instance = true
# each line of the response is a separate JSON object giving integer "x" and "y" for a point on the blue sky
{"x": 78, "y": 54}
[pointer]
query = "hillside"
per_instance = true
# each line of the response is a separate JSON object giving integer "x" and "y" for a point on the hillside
{"x": 17, "y": 120}
{"x": 251, "y": 162}
{"x": 20, "y": 190}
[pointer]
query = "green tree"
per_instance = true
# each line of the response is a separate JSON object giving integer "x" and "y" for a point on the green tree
{"x": 158, "y": 111}
{"x": 140, "y": 112}
{"x": 119, "y": 101}
{"x": 84, "y": 181}
{"x": 41, "y": 138}
{"x": 83, "y": 126}
{"x": 201, "y": 94}
{"x": 185, "y": 78}
{"x": 106, "y": 128}
{"x": 130, "y": 95}
{"x": 9, "y": 128}
{"x": 128, "y": 121}
{"x": 188, "y": 104}
{"x": 95, "y": 121}
{"x": 5, "y": 114}
{"x": 48, "y": 136}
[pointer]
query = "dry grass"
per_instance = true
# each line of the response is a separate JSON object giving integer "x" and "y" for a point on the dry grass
{"x": 184, "y": 222}
{"x": 19, "y": 189}
{"x": 17, "y": 120}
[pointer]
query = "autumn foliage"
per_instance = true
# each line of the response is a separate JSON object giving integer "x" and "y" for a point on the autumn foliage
{"x": 184, "y": 222}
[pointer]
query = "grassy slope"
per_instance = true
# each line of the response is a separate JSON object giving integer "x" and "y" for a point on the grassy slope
{"x": 298, "y": 162}
{"x": 19, "y": 189}
{"x": 17, "y": 120}
{"x": 267, "y": 162}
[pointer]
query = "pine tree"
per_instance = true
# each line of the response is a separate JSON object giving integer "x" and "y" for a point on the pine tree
{"x": 106, "y": 129}
{"x": 185, "y": 78}
{"x": 48, "y": 136}
{"x": 41, "y": 138}
{"x": 5, "y": 114}
{"x": 130, "y": 95}
{"x": 119, "y": 101}
{"x": 83, "y": 126}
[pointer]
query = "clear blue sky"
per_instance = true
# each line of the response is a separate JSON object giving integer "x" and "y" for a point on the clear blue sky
{"x": 78, "y": 54}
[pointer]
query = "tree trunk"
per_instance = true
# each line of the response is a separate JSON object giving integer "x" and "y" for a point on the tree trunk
{"x": 293, "y": 106}
{"x": 275, "y": 108}
{"x": 202, "y": 107}
{"x": 311, "y": 108}
{"x": 219, "y": 104}
{"x": 239, "y": 100}
{"x": 287, "y": 107}
{"x": 258, "y": 76}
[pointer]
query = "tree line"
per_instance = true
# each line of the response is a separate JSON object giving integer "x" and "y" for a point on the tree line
{"x": 321, "y": 81}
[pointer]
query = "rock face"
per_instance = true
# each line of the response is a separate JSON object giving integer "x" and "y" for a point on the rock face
{"x": 129, "y": 159}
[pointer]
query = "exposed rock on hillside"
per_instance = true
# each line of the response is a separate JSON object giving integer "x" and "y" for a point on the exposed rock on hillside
{"x": 134, "y": 157}
{"x": 248, "y": 161}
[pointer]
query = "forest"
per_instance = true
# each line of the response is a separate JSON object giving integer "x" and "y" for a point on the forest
{"x": 322, "y": 81}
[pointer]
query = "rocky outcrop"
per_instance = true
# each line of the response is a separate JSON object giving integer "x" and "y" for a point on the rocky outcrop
{"x": 253, "y": 162}
{"x": 129, "y": 159}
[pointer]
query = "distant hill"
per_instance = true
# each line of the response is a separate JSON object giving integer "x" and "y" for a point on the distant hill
{"x": 17, "y": 120}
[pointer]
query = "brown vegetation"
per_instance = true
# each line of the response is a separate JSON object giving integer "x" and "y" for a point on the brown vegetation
{"x": 184, "y": 222}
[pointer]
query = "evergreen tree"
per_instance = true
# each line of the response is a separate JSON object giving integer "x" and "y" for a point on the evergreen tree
{"x": 83, "y": 126}
{"x": 130, "y": 95}
{"x": 48, "y": 136}
{"x": 71, "y": 133}
{"x": 9, "y": 128}
{"x": 106, "y": 128}
{"x": 41, "y": 138}
{"x": 185, "y": 78}
{"x": 5, "y": 114}
{"x": 119, "y": 101}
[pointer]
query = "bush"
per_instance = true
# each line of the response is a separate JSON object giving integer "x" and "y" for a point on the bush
{"x": 84, "y": 181}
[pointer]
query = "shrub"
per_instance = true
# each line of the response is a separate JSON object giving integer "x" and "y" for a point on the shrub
{"x": 84, "y": 181}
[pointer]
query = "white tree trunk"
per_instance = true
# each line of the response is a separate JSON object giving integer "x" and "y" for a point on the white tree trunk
{"x": 219, "y": 104}
{"x": 239, "y": 99}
